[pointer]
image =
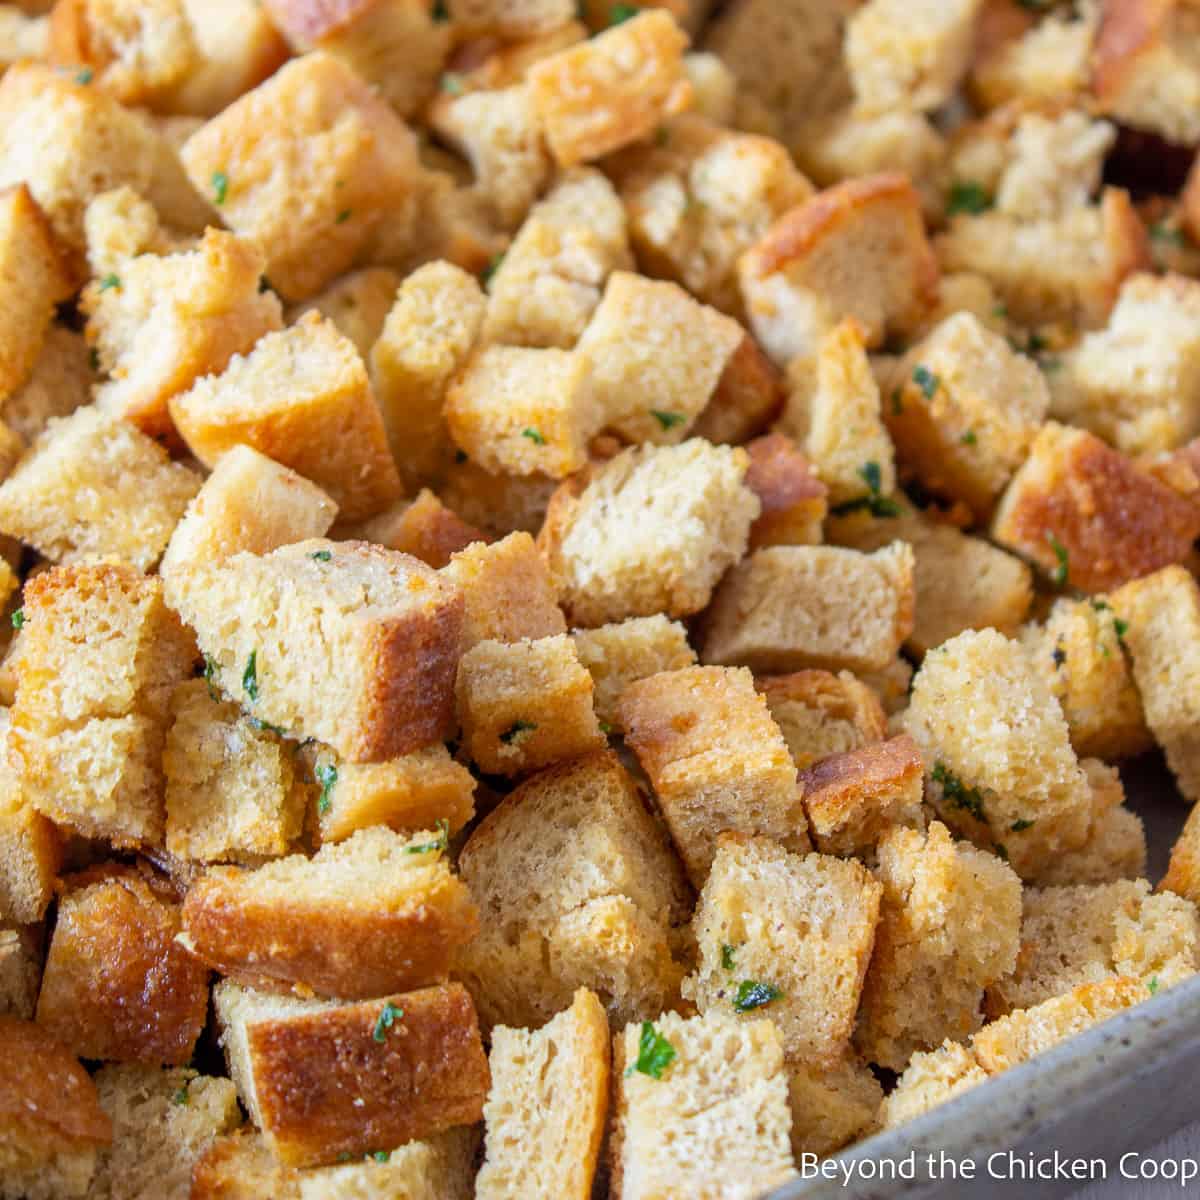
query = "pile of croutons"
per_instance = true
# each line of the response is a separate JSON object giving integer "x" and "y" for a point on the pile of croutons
{"x": 575, "y": 579}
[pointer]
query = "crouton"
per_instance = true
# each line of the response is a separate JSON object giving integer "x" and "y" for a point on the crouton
{"x": 51, "y": 1122}
{"x": 496, "y": 504}
{"x": 1086, "y": 515}
{"x": 94, "y": 485}
{"x": 525, "y": 411}
{"x": 792, "y": 498}
{"x": 121, "y": 225}
{"x": 60, "y": 382}
{"x": 1079, "y": 652}
{"x": 788, "y": 935}
{"x": 820, "y": 713}
{"x": 239, "y": 1166}
{"x": 525, "y": 704}
{"x": 302, "y": 397}
{"x": 852, "y": 799}
{"x": 1115, "y": 849}
{"x": 693, "y": 510}
{"x": 698, "y": 196}
{"x": 232, "y": 793}
{"x": 20, "y": 972}
{"x": 423, "y": 527}
{"x": 949, "y": 927}
{"x": 833, "y": 412}
{"x": 30, "y": 848}
{"x": 163, "y": 1122}
{"x": 902, "y": 56}
{"x": 91, "y": 712}
{"x": 573, "y": 854}
{"x": 22, "y": 35}
{"x": 1162, "y": 621}
{"x": 891, "y": 685}
{"x": 715, "y": 759}
{"x": 507, "y": 592}
{"x": 700, "y": 1100}
{"x": 795, "y": 283}
{"x": 117, "y": 985}
{"x": 428, "y": 334}
{"x": 748, "y": 397}
{"x": 546, "y": 1110}
{"x": 611, "y": 90}
{"x": 1183, "y": 873}
{"x": 249, "y": 502}
{"x": 831, "y": 1106}
{"x": 374, "y": 914}
{"x": 307, "y": 164}
{"x": 357, "y": 303}
{"x": 998, "y": 751}
{"x": 377, "y": 1073}
{"x": 932, "y": 1077}
{"x": 785, "y": 608}
{"x": 442, "y": 1166}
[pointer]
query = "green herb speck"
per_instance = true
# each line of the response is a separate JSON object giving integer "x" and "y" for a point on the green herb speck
{"x": 220, "y": 186}
{"x": 327, "y": 776}
{"x": 250, "y": 676}
{"x": 655, "y": 1053}
{"x": 388, "y": 1016}
{"x": 534, "y": 435}
{"x": 441, "y": 842}
{"x": 751, "y": 995}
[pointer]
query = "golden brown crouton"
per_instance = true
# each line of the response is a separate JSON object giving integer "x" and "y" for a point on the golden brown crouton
{"x": 30, "y": 849}
{"x": 749, "y": 395}
{"x": 60, "y": 382}
{"x": 357, "y": 303}
{"x": 239, "y": 1166}
{"x": 20, "y": 971}
{"x": 932, "y": 1077}
{"x": 423, "y": 527}
{"x": 1183, "y": 874}
{"x": 793, "y": 499}
{"x": 497, "y": 504}
{"x": 831, "y": 1106}
{"x": 1115, "y": 848}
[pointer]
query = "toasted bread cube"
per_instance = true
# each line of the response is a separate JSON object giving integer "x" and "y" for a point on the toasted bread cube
{"x": 547, "y": 1106}
{"x": 949, "y": 927}
{"x": 831, "y": 1106}
{"x": 693, "y": 512}
{"x": 698, "y": 196}
{"x": 572, "y": 853}
{"x": 249, "y": 502}
{"x": 35, "y": 279}
{"x": 611, "y": 90}
{"x": 20, "y": 971}
{"x": 1079, "y": 652}
{"x": 429, "y": 332}
{"x": 792, "y": 497}
{"x": 302, "y": 397}
{"x": 820, "y": 713}
{"x": 525, "y": 411}
{"x": 621, "y": 654}
{"x": 749, "y": 395}
{"x": 239, "y": 1166}
{"x": 795, "y": 282}
{"x": 51, "y": 1122}
{"x": 1088, "y": 517}
{"x": 854, "y": 798}
{"x": 1183, "y": 874}
{"x": 785, "y": 608}
{"x": 376, "y": 1073}
{"x": 497, "y": 504}
{"x": 121, "y": 225}
{"x": 656, "y": 358}
{"x": 416, "y": 791}
{"x": 525, "y": 704}
{"x": 94, "y": 485}
{"x": 423, "y": 527}
{"x": 30, "y": 850}
{"x": 163, "y": 322}
{"x": 715, "y": 759}
{"x": 789, "y": 935}
{"x": 117, "y": 985}
{"x": 232, "y": 793}
{"x": 718, "y": 1112}
{"x": 350, "y": 643}
{"x": 998, "y": 751}
{"x": 1115, "y": 849}
{"x": 932, "y": 1077}
{"x": 442, "y": 1165}
{"x": 307, "y": 164}
{"x": 60, "y": 382}
{"x": 508, "y": 593}
{"x": 891, "y": 685}
{"x": 1162, "y": 623}
{"x": 357, "y": 303}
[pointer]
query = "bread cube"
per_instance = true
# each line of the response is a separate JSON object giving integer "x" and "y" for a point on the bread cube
{"x": 20, "y": 971}
{"x": 692, "y": 510}
{"x": 854, "y": 798}
{"x": 1087, "y": 516}
{"x": 239, "y": 1166}
{"x": 357, "y": 303}
{"x": 1161, "y": 613}
{"x": 932, "y": 1077}
{"x": 525, "y": 704}
{"x": 656, "y": 358}
{"x": 376, "y": 1073}
{"x": 1001, "y": 768}
{"x": 547, "y": 1106}
{"x": 949, "y": 927}
{"x": 94, "y": 485}
{"x": 611, "y": 90}
{"x": 1080, "y": 652}
{"x": 715, "y": 759}
{"x": 308, "y": 164}
{"x": 524, "y": 411}
{"x": 577, "y": 886}
{"x": 1183, "y": 873}
{"x": 832, "y": 410}
{"x": 785, "y": 608}
{"x": 718, "y": 1110}
{"x": 122, "y": 225}
{"x": 507, "y": 591}
{"x": 232, "y": 793}
{"x": 749, "y": 395}
{"x": 51, "y": 1123}
{"x": 60, "y": 382}
{"x": 795, "y": 282}
{"x": 163, "y": 322}
{"x": 786, "y": 937}
{"x": 30, "y": 849}
{"x": 429, "y": 332}
{"x": 496, "y": 504}
{"x": 791, "y": 496}
{"x": 966, "y": 409}
{"x": 831, "y": 1106}
{"x": 423, "y": 527}
{"x": 117, "y": 985}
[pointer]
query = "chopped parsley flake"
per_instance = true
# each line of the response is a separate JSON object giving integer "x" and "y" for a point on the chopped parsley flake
{"x": 727, "y": 957}
{"x": 957, "y": 792}
{"x": 622, "y": 12}
{"x": 668, "y": 420}
{"x": 321, "y": 555}
{"x": 534, "y": 435}
{"x": 969, "y": 438}
{"x": 752, "y": 994}
{"x": 18, "y": 618}
{"x": 220, "y": 186}
{"x": 256, "y": 723}
{"x": 452, "y": 84}
{"x": 342, "y": 217}
{"x": 84, "y": 76}
{"x": 388, "y": 1016}
{"x": 327, "y": 775}
{"x": 605, "y": 728}
{"x": 515, "y": 730}
{"x": 381, "y": 1156}
{"x": 1152, "y": 986}
{"x": 926, "y": 380}
{"x": 967, "y": 197}
{"x": 876, "y": 504}
{"x": 655, "y": 1053}
{"x": 181, "y": 1096}
{"x": 1121, "y": 628}
{"x": 1061, "y": 572}
{"x": 486, "y": 274}
{"x": 210, "y": 674}
{"x": 441, "y": 842}
{"x": 250, "y": 676}
{"x": 1160, "y": 231}
{"x": 110, "y": 281}
{"x": 1019, "y": 826}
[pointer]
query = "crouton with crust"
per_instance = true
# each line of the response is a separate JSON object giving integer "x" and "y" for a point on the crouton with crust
{"x": 793, "y": 499}
{"x": 820, "y": 713}
{"x": 31, "y": 849}
{"x": 357, "y": 303}
{"x": 1183, "y": 873}
{"x": 749, "y": 396}
{"x": 60, "y": 382}
{"x": 20, "y": 971}
{"x": 932, "y": 1077}
{"x": 423, "y": 527}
